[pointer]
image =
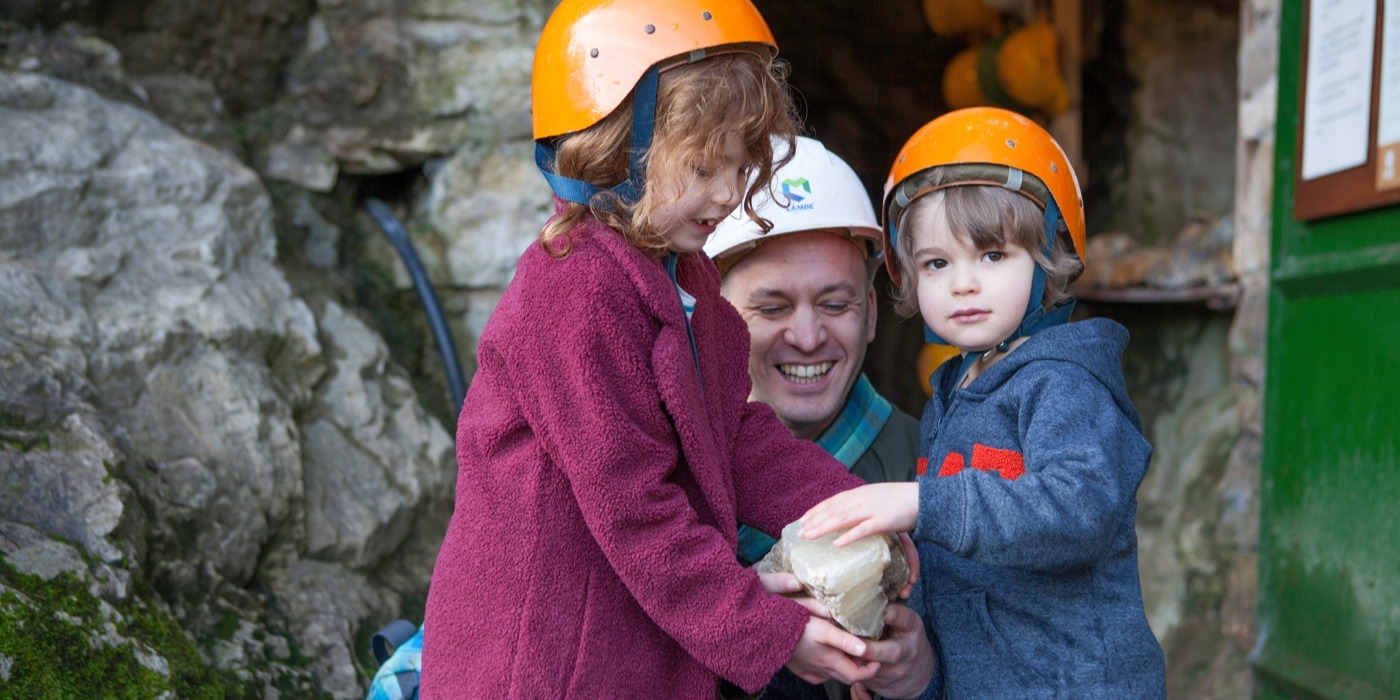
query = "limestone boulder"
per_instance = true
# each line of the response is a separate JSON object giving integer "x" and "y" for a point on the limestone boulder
{"x": 170, "y": 406}
{"x": 856, "y": 582}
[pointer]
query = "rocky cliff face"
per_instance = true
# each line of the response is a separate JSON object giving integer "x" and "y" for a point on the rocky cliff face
{"x": 225, "y": 452}
{"x": 179, "y": 420}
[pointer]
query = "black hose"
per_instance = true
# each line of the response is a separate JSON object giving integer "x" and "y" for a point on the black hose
{"x": 451, "y": 366}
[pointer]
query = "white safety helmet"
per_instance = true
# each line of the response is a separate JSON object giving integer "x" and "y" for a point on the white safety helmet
{"x": 816, "y": 190}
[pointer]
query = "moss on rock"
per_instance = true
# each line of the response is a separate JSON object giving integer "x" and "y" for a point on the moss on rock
{"x": 64, "y": 642}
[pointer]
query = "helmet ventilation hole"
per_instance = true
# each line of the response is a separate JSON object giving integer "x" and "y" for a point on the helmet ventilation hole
{"x": 1011, "y": 143}
{"x": 651, "y": 29}
{"x": 707, "y": 16}
{"x": 1054, "y": 168}
{"x": 593, "y": 53}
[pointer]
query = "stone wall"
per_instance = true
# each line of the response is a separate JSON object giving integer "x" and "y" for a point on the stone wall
{"x": 1181, "y": 57}
{"x": 1198, "y": 522}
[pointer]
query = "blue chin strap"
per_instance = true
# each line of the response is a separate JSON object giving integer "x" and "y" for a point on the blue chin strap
{"x": 629, "y": 190}
{"x": 1036, "y": 319}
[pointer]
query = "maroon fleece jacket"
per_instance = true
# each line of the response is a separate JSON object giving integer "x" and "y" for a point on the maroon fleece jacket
{"x": 600, "y": 480}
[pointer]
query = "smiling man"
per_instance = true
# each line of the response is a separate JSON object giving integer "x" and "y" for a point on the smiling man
{"x": 805, "y": 289}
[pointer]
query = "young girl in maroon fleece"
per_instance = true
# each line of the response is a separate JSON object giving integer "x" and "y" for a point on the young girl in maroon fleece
{"x": 606, "y": 449}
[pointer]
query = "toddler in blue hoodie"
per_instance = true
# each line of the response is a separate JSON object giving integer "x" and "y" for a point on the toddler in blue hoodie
{"x": 1032, "y": 452}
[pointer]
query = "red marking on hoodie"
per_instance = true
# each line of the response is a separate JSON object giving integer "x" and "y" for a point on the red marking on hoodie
{"x": 952, "y": 464}
{"x": 1007, "y": 463}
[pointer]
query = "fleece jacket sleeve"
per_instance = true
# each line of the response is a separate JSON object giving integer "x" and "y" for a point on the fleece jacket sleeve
{"x": 1083, "y": 461}
{"x": 585, "y": 381}
{"x": 778, "y": 477}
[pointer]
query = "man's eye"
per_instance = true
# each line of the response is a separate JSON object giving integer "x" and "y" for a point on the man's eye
{"x": 835, "y": 307}
{"x": 771, "y": 310}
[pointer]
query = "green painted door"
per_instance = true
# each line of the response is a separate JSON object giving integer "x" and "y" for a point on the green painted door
{"x": 1329, "y": 550}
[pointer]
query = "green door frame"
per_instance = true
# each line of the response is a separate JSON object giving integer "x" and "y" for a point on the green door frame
{"x": 1329, "y": 541}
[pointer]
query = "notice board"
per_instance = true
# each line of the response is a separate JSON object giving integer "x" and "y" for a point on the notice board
{"x": 1349, "y": 108}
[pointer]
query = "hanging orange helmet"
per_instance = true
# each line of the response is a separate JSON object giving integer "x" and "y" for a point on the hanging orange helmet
{"x": 987, "y": 146}
{"x": 592, "y": 53}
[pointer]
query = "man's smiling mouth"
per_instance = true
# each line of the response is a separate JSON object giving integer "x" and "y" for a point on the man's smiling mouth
{"x": 805, "y": 374}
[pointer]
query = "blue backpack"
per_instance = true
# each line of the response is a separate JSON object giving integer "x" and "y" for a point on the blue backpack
{"x": 398, "y": 648}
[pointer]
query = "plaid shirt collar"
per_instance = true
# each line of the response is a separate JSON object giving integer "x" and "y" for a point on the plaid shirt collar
{"x": 860, "y": 420}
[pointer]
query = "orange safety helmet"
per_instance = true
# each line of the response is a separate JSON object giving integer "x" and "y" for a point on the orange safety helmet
{"x": 1022, "y": 157}
{"x": 592, "y": 53}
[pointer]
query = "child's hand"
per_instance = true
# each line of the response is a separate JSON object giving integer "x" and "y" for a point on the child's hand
{"x": 779, "y": 582}
{"x": 827, "y": 651}
{"x": 866, "y": 510}
{"x": 786, "y": 584}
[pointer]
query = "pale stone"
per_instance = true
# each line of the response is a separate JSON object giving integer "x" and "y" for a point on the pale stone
{"x": 306, "y": 165}
{"x": 855, "y": 582}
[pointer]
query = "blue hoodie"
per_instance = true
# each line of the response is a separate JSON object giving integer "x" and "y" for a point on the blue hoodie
{"x": 1026, "y": 525}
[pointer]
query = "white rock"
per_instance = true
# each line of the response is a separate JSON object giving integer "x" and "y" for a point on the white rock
{"x": 855, "y": 582}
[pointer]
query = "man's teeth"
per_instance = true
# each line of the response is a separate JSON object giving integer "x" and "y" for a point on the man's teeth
{"x": 805, "y": 373}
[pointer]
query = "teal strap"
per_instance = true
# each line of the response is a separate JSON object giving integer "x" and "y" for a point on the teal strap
{"x": 629, "y": 190}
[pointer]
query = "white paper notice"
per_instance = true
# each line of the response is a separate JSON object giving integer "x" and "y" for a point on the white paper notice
{"x": 1388, "y": 128}
{"x": 1341, "y": 41}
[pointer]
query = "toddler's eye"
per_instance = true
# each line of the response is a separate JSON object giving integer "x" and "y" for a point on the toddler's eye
{"x": 994, "y": 256}
{"x": 936, "y": 264}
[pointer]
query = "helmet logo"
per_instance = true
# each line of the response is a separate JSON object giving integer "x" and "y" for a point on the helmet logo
{"x": 790, "y": 188}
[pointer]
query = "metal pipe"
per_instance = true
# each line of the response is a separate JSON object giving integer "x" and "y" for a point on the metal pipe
{"x": 451, "y": 365}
